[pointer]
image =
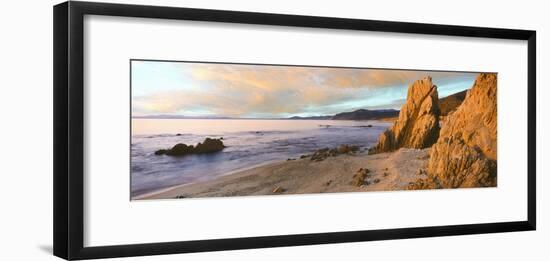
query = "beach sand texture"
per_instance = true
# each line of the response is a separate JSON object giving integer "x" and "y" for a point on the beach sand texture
{"x": 388, "y": 172}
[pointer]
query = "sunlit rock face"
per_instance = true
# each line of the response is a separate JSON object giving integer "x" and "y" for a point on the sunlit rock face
{"x": 466, "y": 152}
{"x": 418, "y": 122}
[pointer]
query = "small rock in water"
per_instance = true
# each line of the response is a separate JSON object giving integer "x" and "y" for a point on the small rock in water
{"x": 181, "y": 196}
{"x": 207, "y": 146}
{"x": 278, "y": 190}
{"x": 386, "y": 174}
{"x": 160, "y": 152}
{"x": 376, "y": 180}
{"x": 179, "y": 134}
{"x": 180, "y": 149}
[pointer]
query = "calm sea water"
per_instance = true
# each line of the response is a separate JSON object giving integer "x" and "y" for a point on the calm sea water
{"x": 249, "y": 143}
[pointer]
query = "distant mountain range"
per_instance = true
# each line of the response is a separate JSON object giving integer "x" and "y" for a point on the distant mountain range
{"x": 447, "y": 105}
{"x": 363, "y": 114}
{"x": 451, "y": 102}
{"x": 327, "y": 117}
{"x": 357, "y": 115}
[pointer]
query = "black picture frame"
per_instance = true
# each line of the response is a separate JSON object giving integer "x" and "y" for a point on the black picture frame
{"x": 69, "y": 128}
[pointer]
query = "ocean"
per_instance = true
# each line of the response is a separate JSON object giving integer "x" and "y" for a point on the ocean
{"x": 250, "y": 142}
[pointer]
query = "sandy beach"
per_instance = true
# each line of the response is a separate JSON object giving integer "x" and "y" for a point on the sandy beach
{"x": 387, "y": 171}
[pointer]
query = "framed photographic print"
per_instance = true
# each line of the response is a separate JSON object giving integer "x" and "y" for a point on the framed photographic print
{"x": 183, "y": 130}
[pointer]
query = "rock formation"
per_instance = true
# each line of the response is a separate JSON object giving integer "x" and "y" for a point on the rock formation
{"x": 207, "y": 146}
{"x": 466, "y": 152}
{"x": 418, "y": 122}
{"x": 324, "y": 153}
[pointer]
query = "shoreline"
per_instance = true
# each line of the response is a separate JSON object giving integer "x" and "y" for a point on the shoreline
{"x": 388, "y": 172}
{"x": 229, "y": 173}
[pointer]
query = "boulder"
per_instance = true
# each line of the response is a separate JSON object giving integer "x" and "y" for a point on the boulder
{"x": 180, "y": 149}
{"x": 465, "y": 154}
{"x": 160, "y": 152}
{"x": 418, "y": 123}
{"x": 207, "y": 146}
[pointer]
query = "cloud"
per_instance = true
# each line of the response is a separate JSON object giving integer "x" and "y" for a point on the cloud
{"x": 273, "y": 91}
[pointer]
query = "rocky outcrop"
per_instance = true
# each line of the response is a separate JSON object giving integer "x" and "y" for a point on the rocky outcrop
{"x": 207, "y": 146}
{"x": 324, "y": 153}
{"x": 465, "y": 154}
{"x": 418, "y": 123}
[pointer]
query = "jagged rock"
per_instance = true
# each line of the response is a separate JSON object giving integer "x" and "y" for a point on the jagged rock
{"x": 207, "y": 146}
{"x": 466, "y": 152}
{"x": 418, "y": 122}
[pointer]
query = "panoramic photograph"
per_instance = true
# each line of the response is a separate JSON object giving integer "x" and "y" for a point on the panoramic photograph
{"x": 203, "y": 129}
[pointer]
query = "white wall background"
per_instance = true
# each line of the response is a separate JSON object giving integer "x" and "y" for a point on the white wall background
{"x": 26, "y": 129}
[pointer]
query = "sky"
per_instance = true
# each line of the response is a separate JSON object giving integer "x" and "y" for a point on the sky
{"x": 265, "y": 91}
